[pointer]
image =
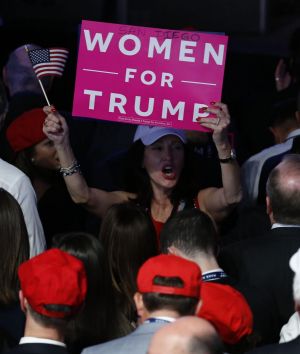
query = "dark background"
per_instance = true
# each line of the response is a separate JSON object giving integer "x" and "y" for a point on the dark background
{"x": 258, "y": 30}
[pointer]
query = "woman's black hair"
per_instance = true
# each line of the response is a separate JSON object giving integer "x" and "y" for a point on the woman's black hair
{"x": 96, "y": 323}
{"x": 129, "y": 239}
{"x": 24, "y": 161}
{"x": 14, "y": 246}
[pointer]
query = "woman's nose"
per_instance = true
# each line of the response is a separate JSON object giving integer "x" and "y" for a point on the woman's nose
{"x": 167, "y": 154}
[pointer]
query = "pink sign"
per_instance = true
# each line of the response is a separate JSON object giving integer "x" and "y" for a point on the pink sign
{"x": 143, "y": 75}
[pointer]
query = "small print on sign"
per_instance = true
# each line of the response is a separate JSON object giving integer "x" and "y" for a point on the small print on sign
{"x": 150, "y": 76}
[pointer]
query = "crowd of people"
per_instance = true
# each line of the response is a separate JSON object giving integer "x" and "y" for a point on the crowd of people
{"x": 119, "y": 238}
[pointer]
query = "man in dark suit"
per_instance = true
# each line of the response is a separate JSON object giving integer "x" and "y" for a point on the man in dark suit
{"x": 260, "y": 265}
{"x": 293, "y": 346}
{"x": 53, "y": 289}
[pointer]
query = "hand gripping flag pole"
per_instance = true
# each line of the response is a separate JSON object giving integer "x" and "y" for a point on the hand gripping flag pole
{"x": 47, "y": 62}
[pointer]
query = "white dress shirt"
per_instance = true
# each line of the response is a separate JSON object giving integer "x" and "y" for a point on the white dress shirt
{"x": 19, "y": 186}
{"x": 251, "y": 169}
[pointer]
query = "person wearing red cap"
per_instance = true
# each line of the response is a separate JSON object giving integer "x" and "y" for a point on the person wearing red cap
{"x": 36, "y": 156}
{"x": 27, "y": 139}
{"x": 168, "y": 287}
{"x": 160, "y": 178}
{"x": 191, "y": 234}
{"x": 53, "y": 289}
{"x": 23, "y": 90}
{"x": 187, "y": 335}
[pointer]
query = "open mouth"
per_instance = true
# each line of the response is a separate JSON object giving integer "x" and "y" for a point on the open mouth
{"x": 168, "y": 172}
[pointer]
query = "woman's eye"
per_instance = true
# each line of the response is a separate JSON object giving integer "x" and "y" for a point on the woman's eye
{"x": 156, "y": 147}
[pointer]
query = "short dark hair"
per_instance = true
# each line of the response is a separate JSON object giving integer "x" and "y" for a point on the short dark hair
{"x": 285, "y": 200}
{"x": 190, "y": 231}
{"x": 51, "y": 322}
{"x": 183, "y": 305}
{"x": 283, "y": 109}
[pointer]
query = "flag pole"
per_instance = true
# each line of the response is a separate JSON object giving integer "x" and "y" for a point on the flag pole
{"x": 44, "y": 92}
{"x": 41, "y": 84}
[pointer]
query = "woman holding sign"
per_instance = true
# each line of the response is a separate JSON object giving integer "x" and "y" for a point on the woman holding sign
{"x": 161, "y": 178}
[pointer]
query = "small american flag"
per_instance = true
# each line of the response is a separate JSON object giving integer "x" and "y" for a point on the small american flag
{"x": 47, "y": 62}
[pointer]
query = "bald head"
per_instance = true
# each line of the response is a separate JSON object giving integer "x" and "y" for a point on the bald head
{"x": 187, "y": 335}
{"x": 283, "y": 191}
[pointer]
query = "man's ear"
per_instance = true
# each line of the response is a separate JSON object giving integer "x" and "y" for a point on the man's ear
{"x": 140, "y": 308}
{"x": 198, "y": 307}
{"x": 277, "y": 134}
{"x": 297, "y": 115}
{"x": 269, "y": 209}
{"x": 268, "y": 206}
{"x": 23, "y": 301}
{"x": 4, "y": 75}
{"x": 139, "y": 303}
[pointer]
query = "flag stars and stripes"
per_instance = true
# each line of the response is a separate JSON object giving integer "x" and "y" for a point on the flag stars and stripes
{"x": 47, "y": 62}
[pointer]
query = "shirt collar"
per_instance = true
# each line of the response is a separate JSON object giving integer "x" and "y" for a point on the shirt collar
{"x": 27, "y": 340}
{"x": 293, "y": 134}
{"x": 166, "y": 318}
{"x": 213, "y": 271}
{"x": 277, "y": 225}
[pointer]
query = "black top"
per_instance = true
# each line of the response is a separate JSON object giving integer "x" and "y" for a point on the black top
{"x": 38, "y": 348}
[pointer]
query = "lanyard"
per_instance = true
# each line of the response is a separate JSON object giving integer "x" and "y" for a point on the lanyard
{"x": 156, "y": 320}
{"x": 214, "y": 275}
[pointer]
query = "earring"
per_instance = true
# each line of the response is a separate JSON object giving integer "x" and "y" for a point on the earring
{"x": 33, "y": 160}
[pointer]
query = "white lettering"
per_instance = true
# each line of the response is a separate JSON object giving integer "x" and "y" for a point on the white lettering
{"x": 103, "y": 45}
{"x": 136, "y": 41}
{"x": 159, "y": 48}
{"x": 152, "y": 77}
{"x": 167, "y": 106}
{"x": 209, "y": 50}
{"x": 137, "y": 106}
{"x": 197, "y": 114}
{"x": 148, "y": 77}
{"x": 93, "y": 95}
{"x": 185, "y": 50}
{"x": 166, "y": 78}
{"x": 117, "y": 101}
{"x": 128, "y": 74}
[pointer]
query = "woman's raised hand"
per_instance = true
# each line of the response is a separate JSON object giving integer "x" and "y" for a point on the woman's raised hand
{"x": 218, "y": 124}
{"x": 55, "y": 127}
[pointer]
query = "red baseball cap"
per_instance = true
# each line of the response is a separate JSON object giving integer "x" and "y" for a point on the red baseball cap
{"x": 53, "y": 277}
{"x": 26, "y": 130}
{"x": 168, "y": 265}
{"x": 228, "y": 310}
